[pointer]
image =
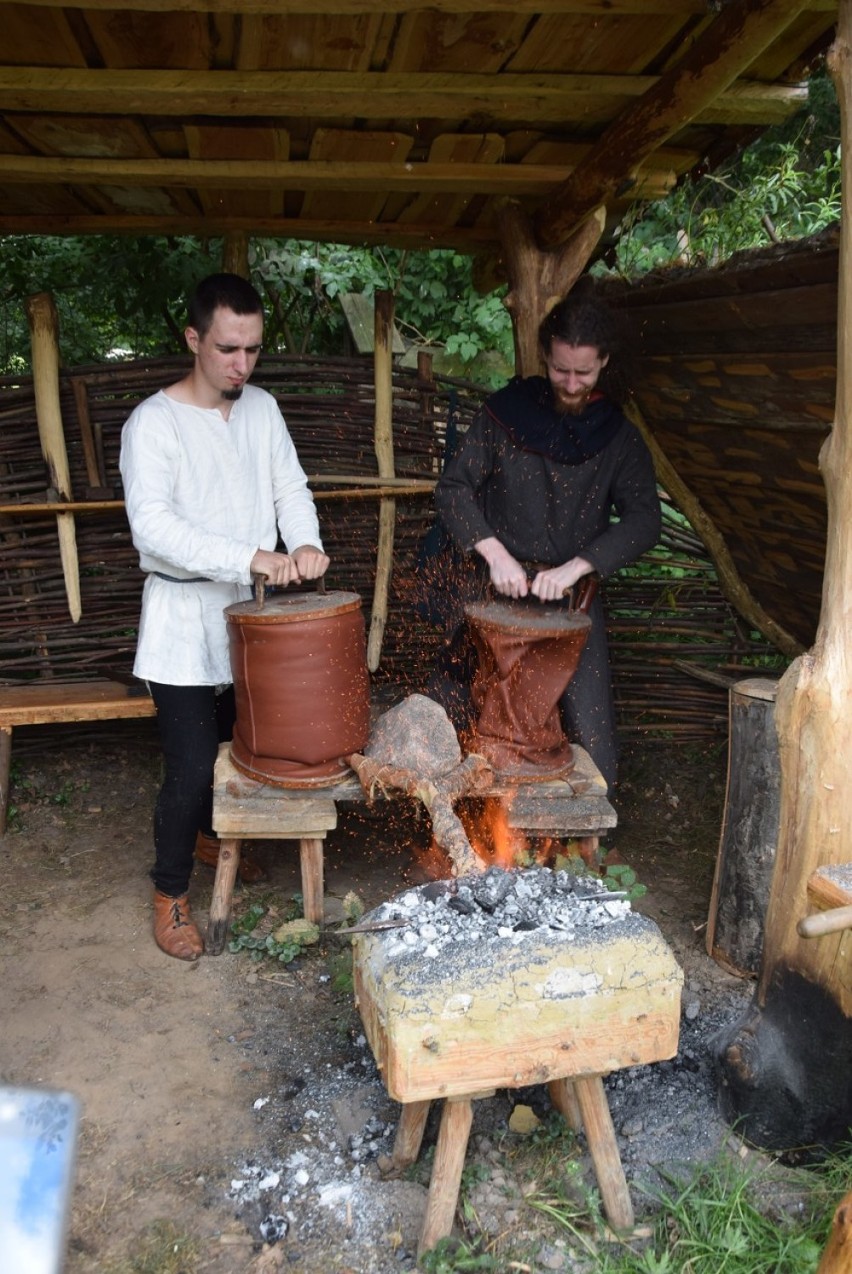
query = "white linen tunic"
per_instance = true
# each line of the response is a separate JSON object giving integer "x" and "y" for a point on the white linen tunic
{"x": 203, "y": 494}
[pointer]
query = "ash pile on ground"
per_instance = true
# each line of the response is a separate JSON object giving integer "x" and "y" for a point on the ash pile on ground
{"x": 328, "y": 1120}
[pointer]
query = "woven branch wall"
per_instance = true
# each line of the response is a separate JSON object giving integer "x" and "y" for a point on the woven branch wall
{"x": 675, "y": 612}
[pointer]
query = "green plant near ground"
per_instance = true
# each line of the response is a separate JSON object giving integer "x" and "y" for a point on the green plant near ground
{"x": 253, "y": 932}
{"x": 459, "y": 1256}
{"x": 719, "y": 1220}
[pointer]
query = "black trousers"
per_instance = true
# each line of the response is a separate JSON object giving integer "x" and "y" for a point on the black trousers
{"x": 193, "y": 721}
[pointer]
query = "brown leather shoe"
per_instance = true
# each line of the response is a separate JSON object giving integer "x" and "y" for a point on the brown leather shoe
{"x": 207, "y": 851}
{"x": 175, "y": 932}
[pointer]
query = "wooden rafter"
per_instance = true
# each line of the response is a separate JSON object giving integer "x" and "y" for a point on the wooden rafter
{"x": 260, "y": 174}
{"x": 470, "y": 239}
{"x": 727, "y": 47}
{"x": 329, "y": 94}
{"x": 599, "y": 8}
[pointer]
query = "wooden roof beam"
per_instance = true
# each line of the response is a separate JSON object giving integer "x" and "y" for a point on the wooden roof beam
{"x": 298, "y": 175}
{"x": 276, "y": 8}
{"x": 414, "y": 236}
{"x": 725, "y": 50}
{"x": 330, "y": 94}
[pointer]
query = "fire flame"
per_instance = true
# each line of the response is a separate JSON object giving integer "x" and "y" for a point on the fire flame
{"x": 486, "y": 822}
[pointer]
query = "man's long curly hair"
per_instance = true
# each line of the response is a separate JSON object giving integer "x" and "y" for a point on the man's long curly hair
{"x": 581, "y": 319}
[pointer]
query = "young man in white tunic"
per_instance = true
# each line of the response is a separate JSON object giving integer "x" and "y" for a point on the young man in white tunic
{"x": 211, "y": 477}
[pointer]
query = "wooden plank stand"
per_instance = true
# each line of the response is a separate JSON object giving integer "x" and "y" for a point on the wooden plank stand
{"x": 244, "y": 808}
{"x": 544, "y": 1010}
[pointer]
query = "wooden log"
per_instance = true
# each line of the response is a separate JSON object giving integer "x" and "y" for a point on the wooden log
{"x": 785, "y": 1065}
{"x": 383, "y": 369}
{"x": 505, "y": 1016}
{"x": 537, "y": 279}
{"x": 44, "y": 333}
{"x": 749, "y": 829}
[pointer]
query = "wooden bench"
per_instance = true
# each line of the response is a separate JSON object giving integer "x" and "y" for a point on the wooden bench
{"x": 45, "y": 702}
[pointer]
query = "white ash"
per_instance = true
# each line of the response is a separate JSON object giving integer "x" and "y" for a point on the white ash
{"x": 504, "y": 906}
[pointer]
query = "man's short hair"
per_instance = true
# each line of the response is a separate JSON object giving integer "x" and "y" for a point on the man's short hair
{"x": 228, "y": 291}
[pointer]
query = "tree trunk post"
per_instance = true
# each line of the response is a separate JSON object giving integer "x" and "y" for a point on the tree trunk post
{"x": 785, "y": 1066}
{"x": 235, "y": 253}
{"x": 538, "y": 279}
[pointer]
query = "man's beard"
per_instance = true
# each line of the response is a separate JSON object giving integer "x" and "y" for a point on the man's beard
{"x": 231, "y": 395}
{"x": 573, "y": 405}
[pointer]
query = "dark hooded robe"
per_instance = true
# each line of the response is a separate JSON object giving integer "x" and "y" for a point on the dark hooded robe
{"x": 551, "y": 486}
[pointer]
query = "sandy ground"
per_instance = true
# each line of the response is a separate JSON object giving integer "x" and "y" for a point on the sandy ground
{"x": 224, "y": 1095}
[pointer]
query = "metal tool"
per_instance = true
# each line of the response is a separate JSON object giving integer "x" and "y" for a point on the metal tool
{"x": 372, "y": 926}
{"x": 260, "y": 588}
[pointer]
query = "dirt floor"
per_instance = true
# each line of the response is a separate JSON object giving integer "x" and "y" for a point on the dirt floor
{"x": 236, "y": 1101}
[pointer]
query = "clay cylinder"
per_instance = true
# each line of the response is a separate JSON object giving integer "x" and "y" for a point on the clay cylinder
{"x": 301, "y": 685}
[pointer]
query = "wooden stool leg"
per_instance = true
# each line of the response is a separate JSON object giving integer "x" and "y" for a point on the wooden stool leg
{"x": 310, "y": 853}
{"x": 603, "y": 1148}
{"x": 565, "y": 1100}
{"x": 446, "y": 1172}
{"x": 223, "y": 892}
{"x": 5, "y": 766}
{"x": 409, "y": 1135}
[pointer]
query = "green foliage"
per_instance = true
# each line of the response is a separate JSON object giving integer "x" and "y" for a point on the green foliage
{"x": 783, "y": 186}
{"x": 252, "y": 932}
{"x": 459, "y": 1256}
{"x": 123, "y": 297}
{"x": 620, "y": 878}
{"x": 114, "y": 296}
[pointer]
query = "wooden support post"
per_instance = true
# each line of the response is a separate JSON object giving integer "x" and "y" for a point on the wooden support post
{"x": 383, "y": 373}
{"x": 235, "y": 253}
{"x": 785, "y": 1066}
{"x": 310, "y": 853}
{"x": 223, "y": 892}
{"x": 44, "y": 333}
{"x": 565, "y": 1100}
{"x": 446, "y": 1172}
{"x": 538, "y": 279}
{"x": 600, "y": 1136}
